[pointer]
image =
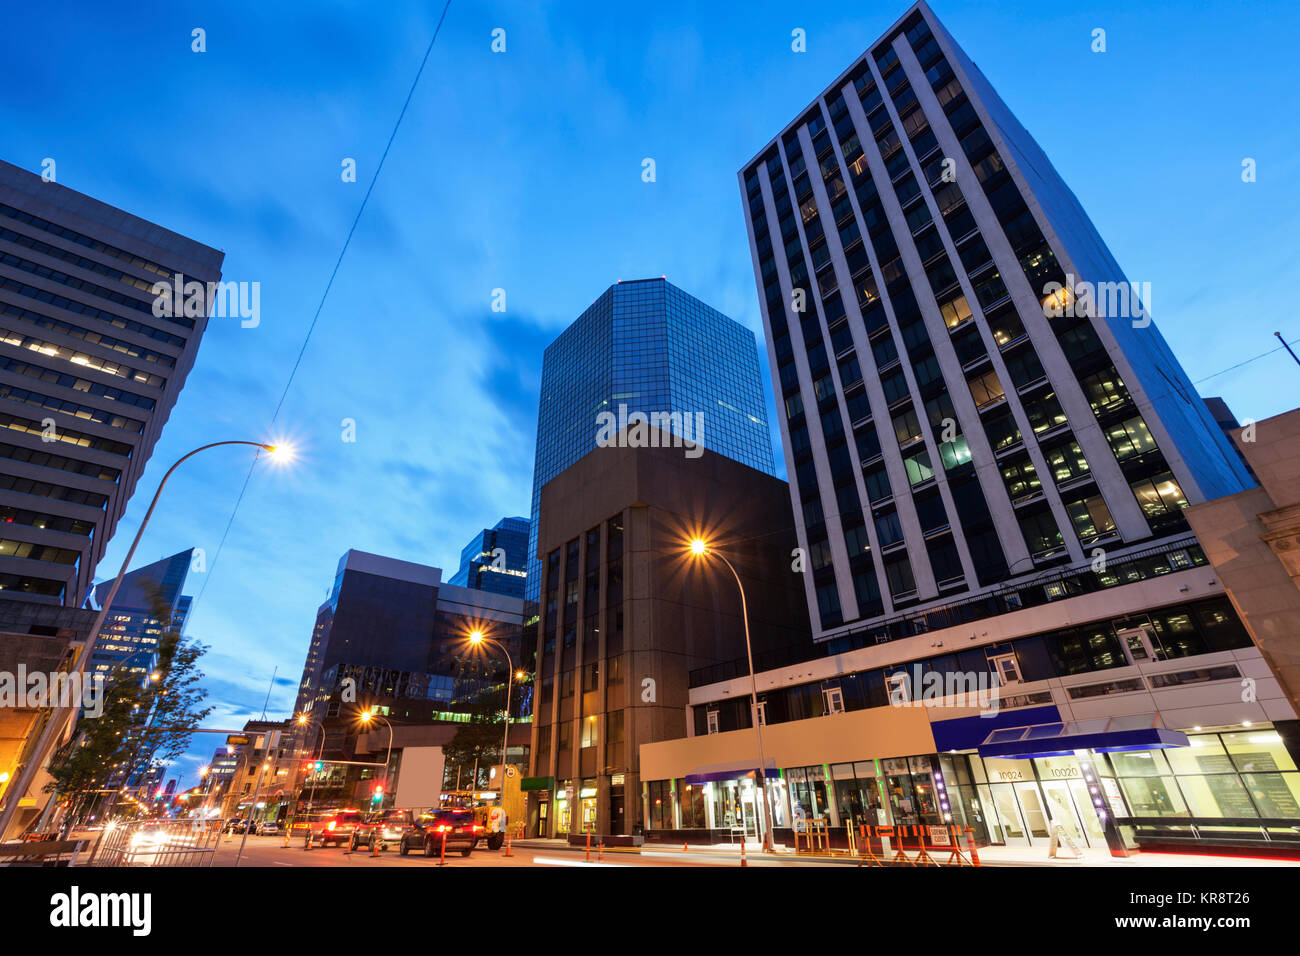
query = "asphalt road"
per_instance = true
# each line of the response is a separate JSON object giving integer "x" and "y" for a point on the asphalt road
{"x": 271, "y": 852}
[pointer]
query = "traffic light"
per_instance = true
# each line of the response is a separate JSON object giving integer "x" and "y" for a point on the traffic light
{"x": 320, "y": 765}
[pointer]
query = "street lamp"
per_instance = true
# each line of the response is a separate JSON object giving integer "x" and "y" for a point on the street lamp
{"x": 700, "y": 549}
{"x": 62, "y": 715}
{"x": 366, "y": 717}
{"x": 477, "y": 638}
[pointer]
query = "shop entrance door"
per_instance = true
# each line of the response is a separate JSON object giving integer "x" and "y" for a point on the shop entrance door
{"x": 1061, "y": 809}
{"x": 1008, "y": 807}
{"x": 1035, "y": 814}
{"x": 752, "y": 809}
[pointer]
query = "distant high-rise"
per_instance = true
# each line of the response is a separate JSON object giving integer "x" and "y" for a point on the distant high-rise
{"x": 129, "y": 641}
{"x": 88, "y": 374}
{"x": 970, "y": 388}
{"x": 496, "y": 559}
{"x": 647, "y": 347}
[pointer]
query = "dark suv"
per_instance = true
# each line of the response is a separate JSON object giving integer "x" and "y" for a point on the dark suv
{"x": 382, "y": 828}
{"x": 457, "y": 829}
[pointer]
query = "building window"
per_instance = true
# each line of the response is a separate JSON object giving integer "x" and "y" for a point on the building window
{"x": 1091, "y": 517}
{"x": 986, "y": 389}
{"x": 712, "y": 721}
{"x": 1159, "y": 496}
{"x": 955, "y": 311}
{"x": 1005, "y": 668}
{"x": 834, "y": 699}
{"x": 1129, "y": 438}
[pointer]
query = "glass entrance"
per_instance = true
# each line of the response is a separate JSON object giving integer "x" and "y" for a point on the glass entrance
{"x": 1035, "y": 814}
{"x": 1061, "y": 809}
{"x": 1008, "y": 807}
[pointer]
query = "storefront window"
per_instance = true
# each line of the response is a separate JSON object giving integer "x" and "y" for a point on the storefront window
{"x": 1153, "y": 796}
{"x": 1276, "y": 794}
{"x": 563, "y": 816}
{"x": 1258, "y": 752}
{"x": 692, "y": 800}
{"x": 661, "y": 804}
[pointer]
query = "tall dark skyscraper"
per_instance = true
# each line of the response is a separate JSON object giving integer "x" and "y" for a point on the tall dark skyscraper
{"x": 88, "y": 374}
{"x": 970, "y": 388}
{"x": 496, "y": 559}
{"x": 648, "y": 347}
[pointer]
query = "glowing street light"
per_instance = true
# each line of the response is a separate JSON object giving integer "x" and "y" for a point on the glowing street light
{"x": 65, "y": 717}
{"x": 477, "y": 638}
{"x": 700, "y": 549}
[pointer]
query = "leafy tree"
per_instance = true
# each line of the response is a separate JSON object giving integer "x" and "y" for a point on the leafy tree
{"x": 478, "y": 740}
{"x": 116, "y": 745}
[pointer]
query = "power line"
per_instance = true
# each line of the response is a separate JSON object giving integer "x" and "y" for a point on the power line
{"x": 293, "y": 372}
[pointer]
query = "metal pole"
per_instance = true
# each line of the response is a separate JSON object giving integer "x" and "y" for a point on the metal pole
{"x": 768, "y": 845}
{"x": 62, "y": 715}
{"x": 1287, "y": 347}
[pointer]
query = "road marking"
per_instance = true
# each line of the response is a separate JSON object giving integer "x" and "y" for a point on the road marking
{"x": 556, "y": 861}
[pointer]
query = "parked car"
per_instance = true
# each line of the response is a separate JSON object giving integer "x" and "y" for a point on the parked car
{"x": 454, "y": 829}
{"x": 332, "y": 826}
{"x": 267, "y": 828}
{"x": 383, "y": 828}
{"x": 235, "y": 825}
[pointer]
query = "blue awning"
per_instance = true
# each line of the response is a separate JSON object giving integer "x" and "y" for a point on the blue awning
{"x": 966, "y": 733}
{"x": 730, "y": 771}
{"x": 1059, "y": 738}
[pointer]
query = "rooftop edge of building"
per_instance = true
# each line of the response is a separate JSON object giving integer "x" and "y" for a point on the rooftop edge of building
{"x": 165, "y": 243}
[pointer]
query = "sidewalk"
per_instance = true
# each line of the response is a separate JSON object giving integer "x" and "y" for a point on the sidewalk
{"x": 989, "y": 856}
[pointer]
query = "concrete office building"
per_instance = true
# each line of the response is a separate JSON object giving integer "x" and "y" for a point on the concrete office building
{"x": 646, "y": 347}
{"x": 627, "y": 613}
{"x": 1253, "y": 540}
{"x": 496, "y": 559}
{"x": 958, "y": 412}
{"x": 88, "y": 378}
{"x": 990, "y": 479}
{"x": 88, "y": 374}
{"x": 399, "y": 632}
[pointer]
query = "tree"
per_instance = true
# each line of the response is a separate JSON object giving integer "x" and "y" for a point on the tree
{"x": 477, "y": 742}
{"x": 116, "y": 744}
{"x": 176, "y": 695}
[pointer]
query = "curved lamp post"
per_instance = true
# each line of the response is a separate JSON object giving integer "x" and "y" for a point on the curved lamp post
{"x": 62, "y": 715}
{"x": 477, "y": 638}
{"x": 701, "y": 549}
{"x": 366, "y": 717}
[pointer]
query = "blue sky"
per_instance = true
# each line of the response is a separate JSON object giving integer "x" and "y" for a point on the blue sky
{"x": 522, "y": 171}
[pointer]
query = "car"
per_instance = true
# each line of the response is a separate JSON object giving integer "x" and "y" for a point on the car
{"x": 235, "y": 825}
{"x": 332, "y": 826}
{"x": 267, "y": 828}
{"x": 383, "y": 828}
{"x": 441, "y": 830}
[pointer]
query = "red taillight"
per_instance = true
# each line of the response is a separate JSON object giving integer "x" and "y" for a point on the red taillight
{"x": 443, "y": 828}
{"x": 477, "y": 828}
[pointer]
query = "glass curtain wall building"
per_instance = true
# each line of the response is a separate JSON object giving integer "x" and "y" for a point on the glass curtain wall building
{"x": 496, "y": 559}
{"x": 971, "y": 390}
{"x": 647, "y": 347}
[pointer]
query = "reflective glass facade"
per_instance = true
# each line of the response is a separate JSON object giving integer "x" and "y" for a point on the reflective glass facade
{"x": 496, "y": 559}
{"x": 647, "y": 346}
